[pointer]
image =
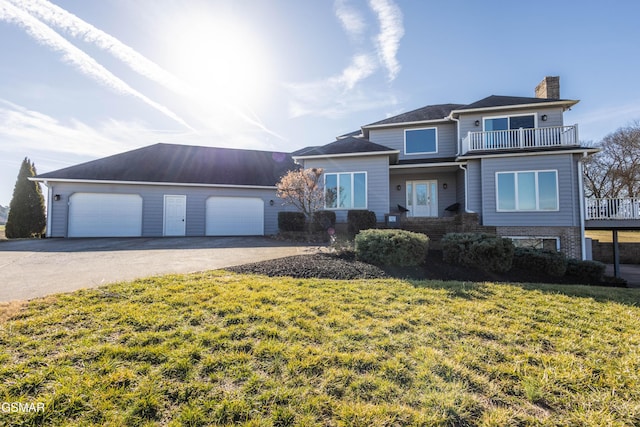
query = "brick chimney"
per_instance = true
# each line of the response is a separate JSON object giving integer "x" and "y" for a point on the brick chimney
{"x": 549, "y": 88}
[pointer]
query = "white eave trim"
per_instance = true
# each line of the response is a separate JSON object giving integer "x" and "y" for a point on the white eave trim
{"x": 529, "y": 153}
{"x": 427, "y": 165}
{"x": 325, "y": 156}
{"x": 172, "y": 184}
{"x": 416, "y": 123}
{"x": 566, "y": 103}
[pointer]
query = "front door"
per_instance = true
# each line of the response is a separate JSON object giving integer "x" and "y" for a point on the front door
{"x": 422, "y": 198}
{"x": 175, "y": 212}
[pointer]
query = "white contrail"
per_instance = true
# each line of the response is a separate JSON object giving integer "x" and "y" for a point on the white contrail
{"x": 391, "y": 31}
{"x": 351, "y": 20}
{"x": 76, "y": 27}
{"x": 76, "y": 57}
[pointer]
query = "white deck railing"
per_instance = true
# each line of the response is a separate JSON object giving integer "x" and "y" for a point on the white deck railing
{"x": 555, "y": 136}
{"x": 621, "y": 208}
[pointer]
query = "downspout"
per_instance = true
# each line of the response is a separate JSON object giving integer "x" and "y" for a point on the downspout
{"x": 581, "y": 196}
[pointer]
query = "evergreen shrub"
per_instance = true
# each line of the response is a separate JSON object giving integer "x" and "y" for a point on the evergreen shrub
{"x": 391, "y": 247}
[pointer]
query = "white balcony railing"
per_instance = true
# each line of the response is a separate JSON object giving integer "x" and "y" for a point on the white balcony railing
{"x": 621, "y": 208}
{"x": 555, "y": 136}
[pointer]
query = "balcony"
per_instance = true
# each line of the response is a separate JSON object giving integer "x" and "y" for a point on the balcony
{"x": 520, "y": 139}
{"x": 619, "y": 213}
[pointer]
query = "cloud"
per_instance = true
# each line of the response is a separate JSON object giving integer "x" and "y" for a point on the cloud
{"x": 351, "y": 20}
{"x": 391, "y": 32}
{"x": 76, "y": 57}
{"x": 334, "y": 96}
{"x": 341, "y": 94}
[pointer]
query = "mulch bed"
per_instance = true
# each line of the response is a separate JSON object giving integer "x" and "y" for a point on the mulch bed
{"x": 346, "y": 267}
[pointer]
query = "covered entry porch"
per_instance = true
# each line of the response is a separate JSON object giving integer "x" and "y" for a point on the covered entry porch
{"x": 426, "y": 190}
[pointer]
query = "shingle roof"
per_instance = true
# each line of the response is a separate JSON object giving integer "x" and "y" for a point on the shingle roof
{"x": 430, "y": 112}
{"x": 346, "y": 145}
{"x": 503, "y": 101}
{"x": 184, "y": 164}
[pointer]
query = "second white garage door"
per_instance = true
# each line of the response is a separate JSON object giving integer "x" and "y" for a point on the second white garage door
{"x": 235, "y": 216}
{"x": 105, "y": 215}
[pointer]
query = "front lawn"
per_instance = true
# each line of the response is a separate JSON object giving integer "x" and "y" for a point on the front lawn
{"x": 219, "y": 348}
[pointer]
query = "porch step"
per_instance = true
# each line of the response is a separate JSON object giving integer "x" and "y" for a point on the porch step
{"x": 436, "y": 228}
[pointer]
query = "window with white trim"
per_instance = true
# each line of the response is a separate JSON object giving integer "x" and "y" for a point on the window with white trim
{"x": 527, "y": 191}
{"x": 547, "y": 243}
{"x": 346, "y": 190}
{"x": 421, "y": 141}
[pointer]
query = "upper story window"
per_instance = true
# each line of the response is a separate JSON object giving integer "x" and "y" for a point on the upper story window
{"x": 345, "y": 190}
{"x": 510, "y": 122}
{"x": 527, "y": 191}
{"x": 421, "y": 141}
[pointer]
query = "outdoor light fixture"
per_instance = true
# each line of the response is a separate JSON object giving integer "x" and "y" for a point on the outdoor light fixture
{"x": 271, "y": 202}
{"x": 398, "y": 187}
{"x": 445, "y": 186}
{"x": 56, "y": 197}
{"x": 477, "y": 122}
{"x": 544, "y": 117}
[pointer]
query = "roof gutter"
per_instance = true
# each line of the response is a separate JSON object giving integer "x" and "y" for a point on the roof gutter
{"x": 324, "y": 156}
{"x": 176, "y": 184}
{"x": 567, "y": 104}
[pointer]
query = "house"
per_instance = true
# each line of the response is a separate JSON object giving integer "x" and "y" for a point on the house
{"x": 167, "y": 190}
{"x": 509, "y": 162}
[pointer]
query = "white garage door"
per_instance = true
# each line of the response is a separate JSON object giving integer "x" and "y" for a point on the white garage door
{"x": 235, "y": 216}
{"x": 105, "y": 215}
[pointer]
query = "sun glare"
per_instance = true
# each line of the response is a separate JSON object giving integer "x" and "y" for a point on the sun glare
{"x": 224, "y": 62}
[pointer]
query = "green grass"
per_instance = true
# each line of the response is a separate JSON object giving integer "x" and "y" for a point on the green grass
{"x": 223, "y": 349}
{"x": 605, "y": 236}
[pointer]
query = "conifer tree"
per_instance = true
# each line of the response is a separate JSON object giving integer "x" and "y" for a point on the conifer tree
{"x": 26, "y": 211}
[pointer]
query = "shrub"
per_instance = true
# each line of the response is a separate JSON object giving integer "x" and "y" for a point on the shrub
{"x": 360, "y": 220}
{"x": 541, "y": 260}
{"x": 323, "y": 220}
{"x": 587, "y": 271}
{"x": 479, "y": 250}
{"x": 291, "y": 221}
{"x": 391, "y": 247}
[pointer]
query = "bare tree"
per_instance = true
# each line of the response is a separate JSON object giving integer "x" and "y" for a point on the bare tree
{"x": 302, "y": 189}
{"x": 615, "y": 171}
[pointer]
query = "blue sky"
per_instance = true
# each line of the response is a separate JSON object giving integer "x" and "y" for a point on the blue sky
{"x": 81, "y": 80}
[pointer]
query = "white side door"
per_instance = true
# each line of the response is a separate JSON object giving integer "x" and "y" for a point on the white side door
{"x": 175, "y": 215}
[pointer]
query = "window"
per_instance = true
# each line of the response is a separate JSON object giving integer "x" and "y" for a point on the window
{"x": 547, "y": 243}
{"x": 345, "y": 190}
{"x": 420, "y": 141}
{"x": 501, "y": 132}
{"x": 527, "y": 191}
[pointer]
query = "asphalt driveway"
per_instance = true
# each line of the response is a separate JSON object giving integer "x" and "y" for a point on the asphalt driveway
{"x": 36, "y": 268}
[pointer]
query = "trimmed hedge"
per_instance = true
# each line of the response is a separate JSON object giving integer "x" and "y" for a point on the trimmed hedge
{"x": 360, "y": 220}
{"x": 587, "y": 271}
{"x": 391, "y": 247}
{"x": 478, "y": 250}
{"x": 551, "y": 262}
{"x": 323, "y": 220}
{"x": 291, "y": 221}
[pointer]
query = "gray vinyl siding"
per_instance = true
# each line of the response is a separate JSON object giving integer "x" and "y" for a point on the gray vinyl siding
{"x": 460, "y": 190}
{"x": 377, "y": 169}
{"x": 153, "y": 204}
{"x": 467, "y": 121}
{"x": 394, "y": 138}
{"x": 446, "y": 197}
{"x": 567, "y": 215}
{"x": 474, "y": 186}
